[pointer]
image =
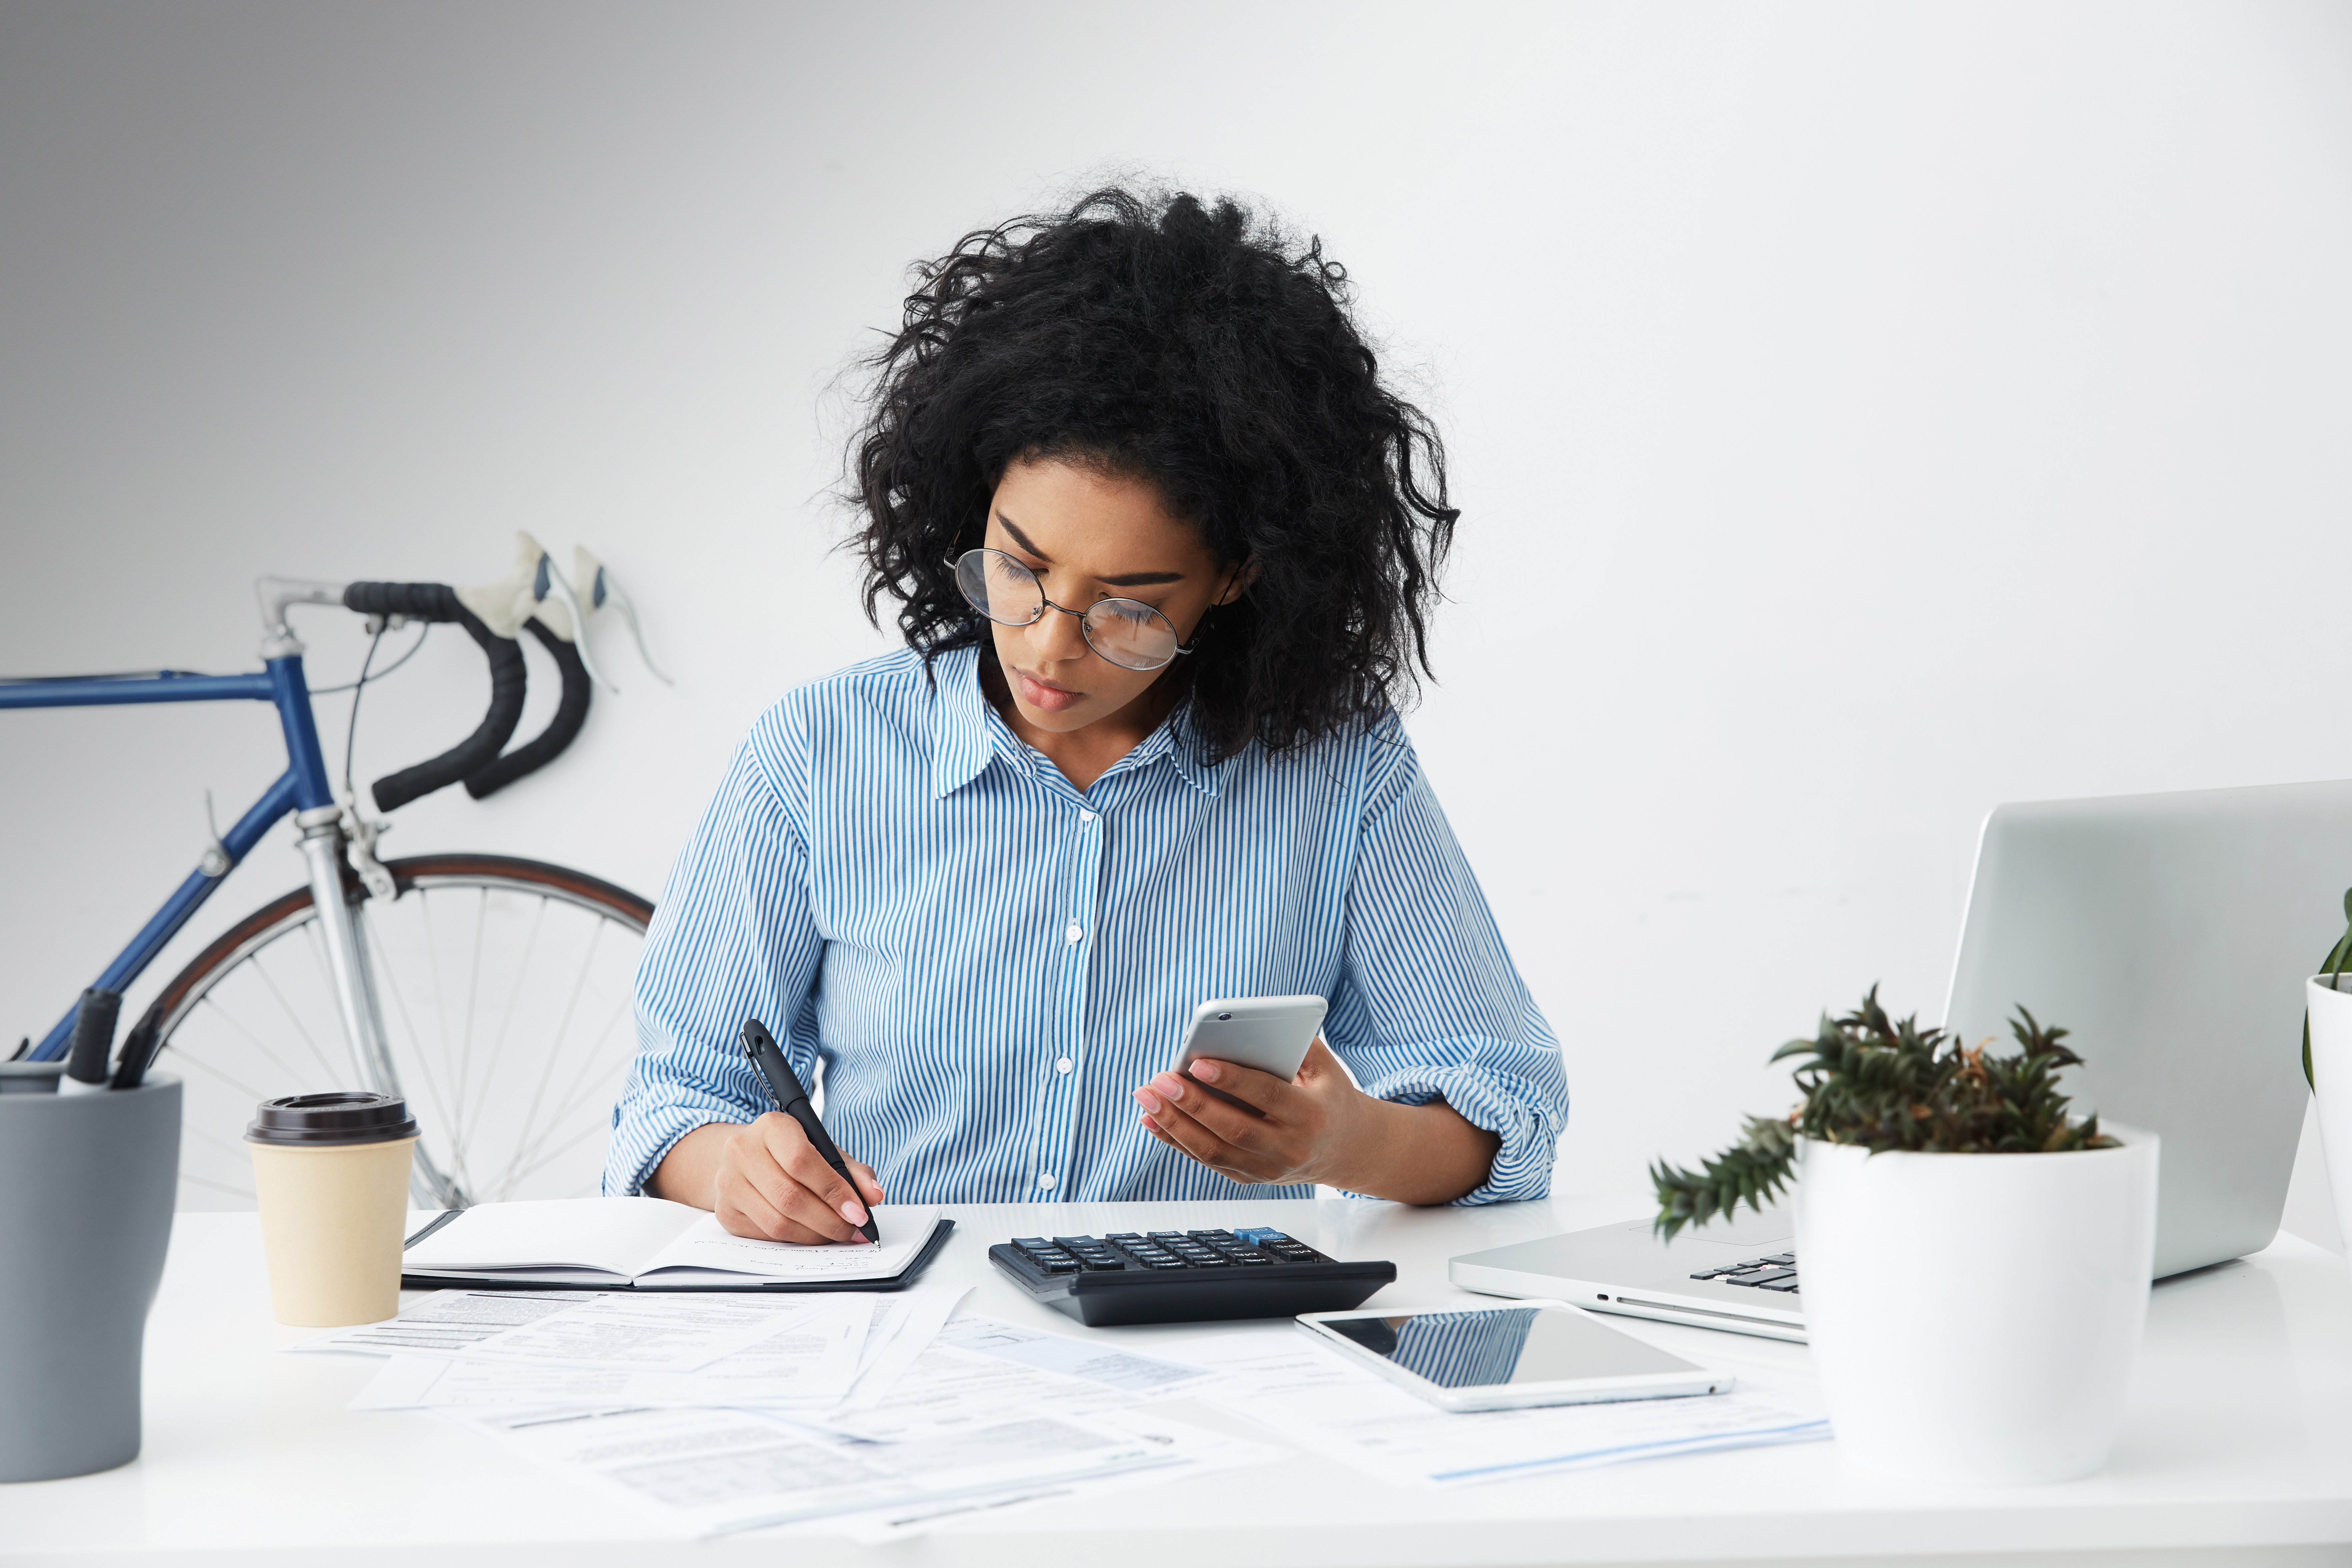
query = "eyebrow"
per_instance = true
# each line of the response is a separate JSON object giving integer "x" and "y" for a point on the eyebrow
{"x": 1124, "y": 579}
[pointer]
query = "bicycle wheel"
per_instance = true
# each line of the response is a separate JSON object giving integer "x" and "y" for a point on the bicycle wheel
{"x": 504, "y": 987}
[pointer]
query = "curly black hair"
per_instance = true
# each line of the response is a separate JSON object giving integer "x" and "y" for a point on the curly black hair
{"x": 1202, "y": 350}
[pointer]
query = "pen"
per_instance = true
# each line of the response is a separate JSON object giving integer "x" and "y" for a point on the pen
{"x": 793, "y": 1101}
{"x": 93, "y": 1041}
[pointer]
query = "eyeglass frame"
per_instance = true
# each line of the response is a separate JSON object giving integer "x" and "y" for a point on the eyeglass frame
{"x": 955, "y": 569}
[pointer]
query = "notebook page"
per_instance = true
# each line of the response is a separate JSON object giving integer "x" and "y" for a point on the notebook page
{"x": 619, "y": 1235}
{"x": 707, "y": 1245}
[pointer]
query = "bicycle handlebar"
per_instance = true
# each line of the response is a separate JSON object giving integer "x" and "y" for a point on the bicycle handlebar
{"x": 478, "y": 750}
{"x": 571, "y": 712}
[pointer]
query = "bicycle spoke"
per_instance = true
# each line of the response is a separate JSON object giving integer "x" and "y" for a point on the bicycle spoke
{"x": 459, "y": 1133}
{"x": 292, "y": 1078}
{"x": 590, "y": 1082}
{"x": 514, "y": 995}
{"x": 554, "y": 1050}
{"x": 262, "y": 970}
{"x": 557, "y": 1153}
{"x": 424, "y": 1061}
{"x": 256, "y": 1095}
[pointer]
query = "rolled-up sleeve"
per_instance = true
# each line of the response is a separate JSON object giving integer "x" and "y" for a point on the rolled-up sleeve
{"x": 1429, "y": 1004}
{"x": 731, "y": 939}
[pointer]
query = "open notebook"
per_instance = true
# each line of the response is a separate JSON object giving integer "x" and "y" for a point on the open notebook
{"x": 651, "y": 1244}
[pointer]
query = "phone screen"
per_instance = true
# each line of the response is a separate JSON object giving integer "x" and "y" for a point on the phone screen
{"x": 1505, "y": 1346}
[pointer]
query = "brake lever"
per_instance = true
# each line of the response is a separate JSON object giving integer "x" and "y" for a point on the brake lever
{"x": 605, "y": 588}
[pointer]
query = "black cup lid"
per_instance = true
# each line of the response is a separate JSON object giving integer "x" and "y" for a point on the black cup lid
{"x": 345, "y": 1116}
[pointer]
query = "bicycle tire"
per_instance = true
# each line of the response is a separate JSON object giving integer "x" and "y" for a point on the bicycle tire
{"x": 240, "y": 949}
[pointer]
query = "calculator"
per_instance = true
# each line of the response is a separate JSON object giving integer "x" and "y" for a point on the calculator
{"x": 1184, "y": 1276}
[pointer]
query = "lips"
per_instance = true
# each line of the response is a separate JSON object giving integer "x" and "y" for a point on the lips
{"x": 1043, "y": 694}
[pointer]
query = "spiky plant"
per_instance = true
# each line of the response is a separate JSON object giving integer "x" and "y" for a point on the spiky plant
{"x": 2339, "y": 959}
{"x": 1870, "y": 1081}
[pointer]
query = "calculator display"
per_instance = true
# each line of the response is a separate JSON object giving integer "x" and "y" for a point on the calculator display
{"x": 1505, "y": 1345}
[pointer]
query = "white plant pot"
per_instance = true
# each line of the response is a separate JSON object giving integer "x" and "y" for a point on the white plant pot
{"x": 2331, "y": 1078}
{"x": 1974, "y": 1317}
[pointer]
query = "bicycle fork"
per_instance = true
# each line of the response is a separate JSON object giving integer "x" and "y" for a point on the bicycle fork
{"x": 355, "y": 991}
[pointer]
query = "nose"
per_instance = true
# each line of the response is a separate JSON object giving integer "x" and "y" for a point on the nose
{"x": 1057, "y": 637}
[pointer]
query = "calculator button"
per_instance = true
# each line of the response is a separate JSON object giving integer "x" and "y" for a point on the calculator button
{"x": 1059, "y": 1265}
{"x": 1165, "y": 1234}
{"x": 1031, "y": 1243}
{"x": 1210, "y": 1234}
{"x": 1253, "y": 1260}
{"x": 1766, "y": 1277}
{"x": 1074, "y": 1241}
{"x": 1104, "y": 1265}
{"x": 1124, "y": 1236}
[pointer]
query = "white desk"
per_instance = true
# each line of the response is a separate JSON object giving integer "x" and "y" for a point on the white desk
{"x": 2240, "y": 1437}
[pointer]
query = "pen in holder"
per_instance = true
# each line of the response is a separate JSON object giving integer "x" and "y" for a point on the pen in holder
{"x": 92, "y": 1179}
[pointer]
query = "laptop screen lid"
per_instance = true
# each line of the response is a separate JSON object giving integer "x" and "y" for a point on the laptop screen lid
{"x": 2170, "y": 934}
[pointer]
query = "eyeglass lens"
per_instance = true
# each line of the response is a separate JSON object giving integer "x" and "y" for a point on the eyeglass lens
{"x": 1127, "y": 632}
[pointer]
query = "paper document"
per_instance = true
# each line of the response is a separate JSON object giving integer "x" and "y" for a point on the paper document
{"x": 712, "y": 1471}
{"x": 1194, "y": 1451}
{"x": 445, "y": 1322}
{"x": 806, "y": 1361}
{"x": 979, "y": 1368}
{"x": 1321, "y": 1403}
{"x": 901, "y": 1331}
{"x": 1147, "y": 1377}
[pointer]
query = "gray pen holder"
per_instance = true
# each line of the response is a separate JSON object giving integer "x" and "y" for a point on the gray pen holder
{"x": 90, "y": 1179}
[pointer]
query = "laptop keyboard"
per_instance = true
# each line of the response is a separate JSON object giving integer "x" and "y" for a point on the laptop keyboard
{"x": 1776, "y": 1271}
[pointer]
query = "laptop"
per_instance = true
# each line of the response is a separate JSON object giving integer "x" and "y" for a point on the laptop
{"x": 2170, "y": 934}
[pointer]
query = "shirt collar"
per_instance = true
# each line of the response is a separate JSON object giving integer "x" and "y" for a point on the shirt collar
{"x": 966, "y": 733}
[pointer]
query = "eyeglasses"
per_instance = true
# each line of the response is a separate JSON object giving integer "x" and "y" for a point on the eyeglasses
{"x": 1129, "y": 633}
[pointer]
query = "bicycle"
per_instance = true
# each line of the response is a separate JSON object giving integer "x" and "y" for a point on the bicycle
{"x": 358, "y": 951}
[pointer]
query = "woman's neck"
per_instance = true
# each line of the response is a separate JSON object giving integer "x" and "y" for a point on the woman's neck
{"x": 1083, "y": 755}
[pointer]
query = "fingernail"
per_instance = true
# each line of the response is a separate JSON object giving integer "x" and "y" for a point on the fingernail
{"x": 1146, "y": 1098}
{"x": 1172, "y": 1088}
{"x": 1205, "y": 1071}
{"x": 852, "y": 1213}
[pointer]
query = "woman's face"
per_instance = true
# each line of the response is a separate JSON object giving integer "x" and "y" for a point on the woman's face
{"x": 1090, "y": 536}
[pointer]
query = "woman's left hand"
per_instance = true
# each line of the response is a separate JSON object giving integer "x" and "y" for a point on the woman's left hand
{"x": 1318, "y": 1126}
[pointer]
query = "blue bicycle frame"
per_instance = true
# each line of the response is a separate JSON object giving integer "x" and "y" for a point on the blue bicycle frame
{"x": 302, "y": 787}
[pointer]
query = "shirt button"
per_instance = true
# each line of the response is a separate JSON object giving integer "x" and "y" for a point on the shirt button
{"x": 1065, "y": 1065}
{"x": 1086, "y": 816}
{"x": 1074, "y": 933}
{"x": 1046, "y": 1180}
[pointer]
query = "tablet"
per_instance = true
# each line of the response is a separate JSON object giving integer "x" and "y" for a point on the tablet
{"x": 1508, "y": 1358}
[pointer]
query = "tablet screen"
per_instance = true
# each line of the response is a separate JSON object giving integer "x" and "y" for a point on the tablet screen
{"x": 1505, "y": 1346}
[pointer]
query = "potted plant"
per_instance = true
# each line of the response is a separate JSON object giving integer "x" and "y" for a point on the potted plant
{"x": 2327, "y": 1065}
{"x": 1975, "y": 1261}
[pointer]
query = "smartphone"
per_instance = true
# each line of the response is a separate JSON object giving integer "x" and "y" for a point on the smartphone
{"x": 1509, "y": 1358}
{"x": 1268, "y": 1032}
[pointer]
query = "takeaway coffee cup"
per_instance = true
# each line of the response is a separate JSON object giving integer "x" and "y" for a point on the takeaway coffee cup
{"x": 331, "y": 1170}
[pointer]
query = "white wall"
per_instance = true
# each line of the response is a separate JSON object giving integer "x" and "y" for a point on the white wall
{"x": 1863, "y": 414}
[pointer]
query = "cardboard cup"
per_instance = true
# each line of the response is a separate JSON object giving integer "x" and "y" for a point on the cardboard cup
{"x": 330, "y": 1223}
{"x": 331, "y": 1170}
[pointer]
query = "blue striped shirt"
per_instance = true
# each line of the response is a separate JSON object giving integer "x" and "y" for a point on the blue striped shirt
{"x": 977, "y": 961}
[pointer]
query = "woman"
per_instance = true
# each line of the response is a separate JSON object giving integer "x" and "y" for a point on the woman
{"x": 1161, "y": 545}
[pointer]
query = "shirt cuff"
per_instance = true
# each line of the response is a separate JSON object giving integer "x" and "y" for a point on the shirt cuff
{"x": 645, "y": 1130}
{"x": 1514, "y": 1111}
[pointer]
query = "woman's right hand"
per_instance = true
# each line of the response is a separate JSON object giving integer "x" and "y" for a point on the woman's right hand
{"x": 765, "y": 1180}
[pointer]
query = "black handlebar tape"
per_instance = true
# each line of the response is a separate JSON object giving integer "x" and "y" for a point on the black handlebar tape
{"x": 570, "y": 713}
{"x": 93, "y": 1035}
{"x": 439, "y": 602}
